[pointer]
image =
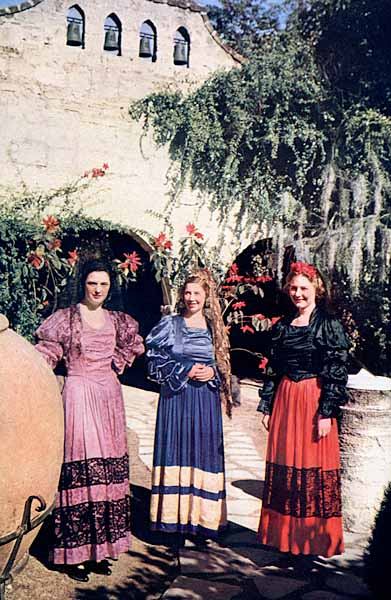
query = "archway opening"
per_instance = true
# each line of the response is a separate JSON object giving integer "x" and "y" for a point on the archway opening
{"x": 141, "y": 299}
{"x": 259, "y": 303}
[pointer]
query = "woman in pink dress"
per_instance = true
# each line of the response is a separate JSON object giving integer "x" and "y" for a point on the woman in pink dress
{"x": 92, "y": 514}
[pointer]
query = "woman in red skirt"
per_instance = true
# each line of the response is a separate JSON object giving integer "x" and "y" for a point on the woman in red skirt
{"x": 304, "y": 388}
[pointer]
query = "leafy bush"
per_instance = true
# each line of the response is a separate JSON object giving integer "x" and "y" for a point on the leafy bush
{"x": 38, "y": 251}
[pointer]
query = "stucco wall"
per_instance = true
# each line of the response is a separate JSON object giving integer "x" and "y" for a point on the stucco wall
{"x": 65, "y": 109}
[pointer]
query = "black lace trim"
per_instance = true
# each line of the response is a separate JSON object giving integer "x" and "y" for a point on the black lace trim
{"x": 92, "y": 523}
{"x": 94, "y": 471}
{"x": 302, "y": 492}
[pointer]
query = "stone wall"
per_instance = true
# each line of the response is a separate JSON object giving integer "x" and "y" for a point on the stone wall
{"x": 65, "y": 109}
{"x": 365, "y": 442}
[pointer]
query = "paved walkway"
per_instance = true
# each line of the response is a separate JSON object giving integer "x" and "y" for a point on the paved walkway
{"x": 238, "y": 568}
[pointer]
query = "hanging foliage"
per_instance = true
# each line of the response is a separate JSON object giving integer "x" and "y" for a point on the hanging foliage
{"x": 246, "y": 136}
{"x": 298, "y": 142}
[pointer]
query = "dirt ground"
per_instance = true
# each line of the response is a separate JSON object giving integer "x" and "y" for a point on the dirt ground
{"x": 144, "y": 572}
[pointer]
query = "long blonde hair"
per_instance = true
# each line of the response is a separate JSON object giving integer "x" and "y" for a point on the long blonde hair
{"x": 215, "y": 321}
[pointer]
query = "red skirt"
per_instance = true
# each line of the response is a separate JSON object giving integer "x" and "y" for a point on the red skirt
{"x": 301, "y": 508}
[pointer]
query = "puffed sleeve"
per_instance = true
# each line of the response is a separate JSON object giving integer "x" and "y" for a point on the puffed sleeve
{"x": 272, "y": 376}
{"x": 334, "y": 348}
{"x": 52, "y": 336}
{"x": 129, "y": 344}
{"x": 164, "y": 366}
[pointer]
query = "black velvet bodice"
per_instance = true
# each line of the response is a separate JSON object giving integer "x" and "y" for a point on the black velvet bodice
{"x": 315, "y": 350}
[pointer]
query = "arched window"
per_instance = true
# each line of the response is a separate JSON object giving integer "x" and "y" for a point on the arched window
{"x": 148, "y": 41}
{"x": 75, "y": 26}
{"x": 181, "y": 47}
{"x": 113, "y": 34}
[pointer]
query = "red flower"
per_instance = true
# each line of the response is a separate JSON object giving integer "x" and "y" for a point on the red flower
{"x": 191, "y": 228}
{"x": 233, "y": 274}
{"x": 35, "y": 260}
{"x": 54, "y": 244}
{"x": 73, "y": 257}
{"x": 247, "y": 328}
{"x": 51, "y": 224}
{"x": 233, "y": 278}
{"x": 161, "y": 241}
{"x": 97, "y": 172}
{"x": 86, "y": 173}
{"x": 263, "y": 363}
{"x": 105, "y": 166}
{"x": 264, "y": 278}
{"x": 132, "y": 261}
{"x": 238, "y": 305}
{"x": 275, "y": 319}
{"x": 259, "y": 316}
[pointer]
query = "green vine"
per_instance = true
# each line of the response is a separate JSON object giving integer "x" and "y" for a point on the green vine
{"x": 34, "y": 267}
{"x": 298, "y": 141}
{"x": 248, "y": 135}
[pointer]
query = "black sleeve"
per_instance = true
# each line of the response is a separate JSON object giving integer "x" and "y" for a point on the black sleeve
{"x": 334, "y": 375}
{"x": 272, "y": 375}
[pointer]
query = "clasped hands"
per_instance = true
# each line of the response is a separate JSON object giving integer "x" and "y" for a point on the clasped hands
{"x": 200, "y": 372}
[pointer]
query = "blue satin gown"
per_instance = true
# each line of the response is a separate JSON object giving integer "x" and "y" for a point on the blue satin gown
{"x": 188, "y": 482}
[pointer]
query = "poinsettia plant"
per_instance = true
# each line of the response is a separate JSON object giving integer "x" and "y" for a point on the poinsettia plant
{"x": 235, "y": 308}
{"x": 48, "y": 268}
{"x": 127, "y": 268}
{"x": 171, "y": 269}
{"x": 172, "y": 265}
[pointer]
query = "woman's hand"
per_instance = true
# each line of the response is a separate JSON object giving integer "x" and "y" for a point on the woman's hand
{"x": 193, "y": 371}
{"x": 201, "y": 373}
{"x": 265, "y": 422}
{"x": 324, "y": 427}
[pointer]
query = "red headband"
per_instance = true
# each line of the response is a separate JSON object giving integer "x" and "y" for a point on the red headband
{"x": 303, "y": 268}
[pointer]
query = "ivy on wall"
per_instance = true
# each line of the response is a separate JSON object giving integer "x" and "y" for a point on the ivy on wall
{"x": 245, "y": 136}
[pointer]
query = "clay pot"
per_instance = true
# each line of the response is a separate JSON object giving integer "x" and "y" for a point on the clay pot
{"x": 31, "y": 435}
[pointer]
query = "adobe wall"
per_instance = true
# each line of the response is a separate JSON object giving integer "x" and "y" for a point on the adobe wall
{"x": 65, "y": 109}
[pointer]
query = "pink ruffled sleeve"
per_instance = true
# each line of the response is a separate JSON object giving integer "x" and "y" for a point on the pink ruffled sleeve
{"x": 129, "y": 344}
{"x": 52, "y": 337}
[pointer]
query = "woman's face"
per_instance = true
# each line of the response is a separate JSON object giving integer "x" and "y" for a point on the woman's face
{"x": 302, "y": 292}
{"x": 194, "y": 297}
{"x": 96, "y": 288}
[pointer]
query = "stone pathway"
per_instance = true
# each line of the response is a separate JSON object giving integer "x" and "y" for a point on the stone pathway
{"x": 237, "y": 567}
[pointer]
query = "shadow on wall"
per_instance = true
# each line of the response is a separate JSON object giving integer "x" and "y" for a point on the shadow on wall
{"x": 377, "y": 557}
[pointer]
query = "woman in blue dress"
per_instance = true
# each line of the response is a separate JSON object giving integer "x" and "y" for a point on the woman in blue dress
{"x": 188, "y": 354}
